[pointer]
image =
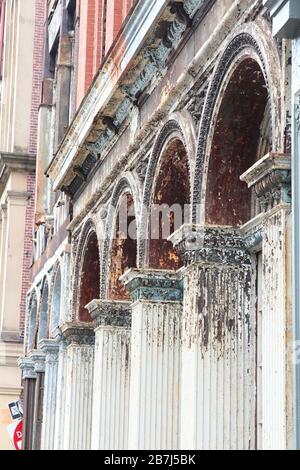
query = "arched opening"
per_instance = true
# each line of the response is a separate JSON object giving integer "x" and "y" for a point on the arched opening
{"x": 90, "y": 277}
{"x": 123, "y": 248}
{"x": 56, "y": 301}
{"x": 43, "y": 318}
{"x": 170, "y": 202}
{"x": 32, "y": 325}
{"x": 242, "y": 135}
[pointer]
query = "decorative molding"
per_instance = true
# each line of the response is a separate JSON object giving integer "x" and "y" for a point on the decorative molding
{"x": 150, "y": 284}
{"x": 26, "y": 365}
{"x": 38, "y": 358}
{"x": 271, "y": 179}
{"x": 110, "y": 313}
{"x": 212, "y": 245}
{"x": 78, "y": 333}
{"x": 51, "y": 348}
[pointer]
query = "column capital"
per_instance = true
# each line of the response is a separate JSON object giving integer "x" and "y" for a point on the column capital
{"x": 271, "y": 179}
{"x": 80, "y": 333}
{"x": 38, "y": 358}
{"x": 26, "y": 365}
{"x": 153, "y": 284}
{"x": 51, "y": 348}
{"x": 110, "y": 313}
{"x": 211, "y": 245}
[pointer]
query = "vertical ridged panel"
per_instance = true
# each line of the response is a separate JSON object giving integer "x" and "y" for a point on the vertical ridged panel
{"x": 79, "y": 395}
{"x": 274, "y": 334}
{"x": 111, "y": 388}
{"x": 49, "y": 404}
{"x": 218, "y": 357}
{"x": 155, "y": 372}
{"x": 61, "y": 397}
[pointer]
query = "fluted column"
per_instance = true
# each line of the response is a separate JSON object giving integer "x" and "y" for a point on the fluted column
{"x": 79, "y": 387}
{"x": 111, "y": 374}
{"x": 270, "y": 178}
{"x": 218, "y": 340}
{"x": 155, "y": 359}
{"x": 38, "y": 358}
{"x": 61, "y": 395}
{"x": 29, "y": 378}
{"x": 50, "y": 347}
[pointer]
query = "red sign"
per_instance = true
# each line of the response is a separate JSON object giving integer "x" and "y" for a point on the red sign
{"x": 15, "y": 434}
{"x": 18, "y": 436}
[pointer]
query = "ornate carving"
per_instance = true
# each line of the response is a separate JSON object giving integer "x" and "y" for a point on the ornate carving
{"x": 196, "y": 103}
{"x": 215, "y": 245}
{"x": 27, "y": 367}
{"x": 153, "y": 60}
{"x": 141, "y": 168}
{"x": 271, "y": 179}
{"x": 191, "y": 6}
{"x": 153, "y": 285}
{"x": 81, "y": 334}
{"x": 110, "y": 313}
{"x": 50, "y": 348}
{"x": 38, "y": 358}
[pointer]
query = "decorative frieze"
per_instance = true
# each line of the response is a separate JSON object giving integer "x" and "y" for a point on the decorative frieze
{"x": 271, "y": 179}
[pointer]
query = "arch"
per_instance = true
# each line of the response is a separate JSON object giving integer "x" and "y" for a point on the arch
{"x": 79, "y": 247}
{"x": 43, "y": 327}
{"x": 32, "y": 320}
{"x": 55, "y": 298}
{"x": 172, "y": 130}
{"x": 242, "y": 46}
{"x": 118, "y": 246}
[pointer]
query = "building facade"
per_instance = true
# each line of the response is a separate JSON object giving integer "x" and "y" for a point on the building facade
{"x": 21, "y": 28}
{"x": 160, "y": 311}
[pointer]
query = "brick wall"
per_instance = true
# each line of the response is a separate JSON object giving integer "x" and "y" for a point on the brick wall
{"x": 40, "y": 15}
{"x": 100, "y": 22}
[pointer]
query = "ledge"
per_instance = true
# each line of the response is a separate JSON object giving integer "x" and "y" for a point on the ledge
{"x": 10, "y": 162}
{"x": 285, "y": 16}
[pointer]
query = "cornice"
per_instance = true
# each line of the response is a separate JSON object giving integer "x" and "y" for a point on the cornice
{"x": 10, "y": 162}
{"x": 152, "y": 32}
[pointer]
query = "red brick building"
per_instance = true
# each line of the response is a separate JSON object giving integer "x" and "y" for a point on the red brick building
{"x": 21, "y": 60}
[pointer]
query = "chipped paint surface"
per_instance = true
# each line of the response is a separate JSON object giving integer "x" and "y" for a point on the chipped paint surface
{"x": 162, "y": 338}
